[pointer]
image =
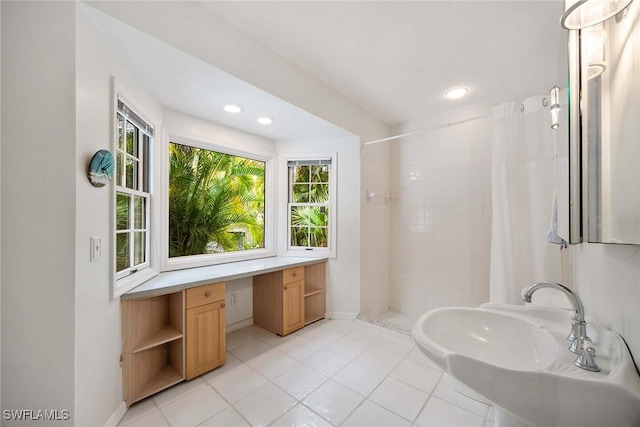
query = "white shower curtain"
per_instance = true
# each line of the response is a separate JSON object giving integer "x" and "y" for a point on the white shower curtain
{"x": 523, "y": 184}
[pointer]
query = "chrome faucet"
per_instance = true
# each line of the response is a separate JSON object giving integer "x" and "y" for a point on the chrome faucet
{"x": 580, "y": 342}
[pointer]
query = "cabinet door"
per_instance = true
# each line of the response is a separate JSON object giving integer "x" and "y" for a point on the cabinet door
{"x": 205, "y": 338}
{"x": 292, "y": 306}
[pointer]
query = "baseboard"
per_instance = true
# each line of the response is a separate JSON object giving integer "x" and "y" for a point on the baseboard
{"x": 117, "y": 415}
{"x": 340, "y": 315}
{"x": 239, "y": 325}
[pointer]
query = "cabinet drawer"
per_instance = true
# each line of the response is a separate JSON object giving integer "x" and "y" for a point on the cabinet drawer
{"x": 205, "y": 294}
{"x": 292, "y": 274}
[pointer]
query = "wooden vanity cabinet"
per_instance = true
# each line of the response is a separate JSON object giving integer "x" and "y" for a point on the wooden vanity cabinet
{"x": 278, "y": 300}
{"x": 152, "y": 345}
{"x": 205, "y": 329}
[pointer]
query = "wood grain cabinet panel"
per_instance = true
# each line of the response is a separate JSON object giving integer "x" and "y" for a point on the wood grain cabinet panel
{"x": 205, "y": 338}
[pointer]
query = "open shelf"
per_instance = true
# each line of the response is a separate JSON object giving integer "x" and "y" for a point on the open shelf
{"x": 167, "y": 377}
{"x": 167, "y": 334}
{"x": 152, "y": 345}
{"x": 310, "y": 292}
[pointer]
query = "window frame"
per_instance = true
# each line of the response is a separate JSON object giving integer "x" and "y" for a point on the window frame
{"x": 285, "y": 222}
{"x": 191, "y": 261}
{"x": 147, "y": 270}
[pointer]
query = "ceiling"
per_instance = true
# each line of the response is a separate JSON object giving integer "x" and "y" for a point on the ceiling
{"x": 395, "y": 59}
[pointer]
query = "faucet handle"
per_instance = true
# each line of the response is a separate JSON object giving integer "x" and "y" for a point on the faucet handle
{"x": 586, "y": 358}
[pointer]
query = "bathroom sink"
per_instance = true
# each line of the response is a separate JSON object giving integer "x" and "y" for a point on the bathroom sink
{"x": 517, "y": 357}
{"x": 492, "y": 337}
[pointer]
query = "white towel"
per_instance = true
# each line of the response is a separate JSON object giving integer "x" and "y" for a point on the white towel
{"x": 552, "y": 235}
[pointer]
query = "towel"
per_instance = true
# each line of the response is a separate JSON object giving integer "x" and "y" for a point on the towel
{"x": 552, "y": 234}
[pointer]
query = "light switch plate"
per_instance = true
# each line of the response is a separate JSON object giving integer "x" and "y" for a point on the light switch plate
{"x": 96, "y": 249}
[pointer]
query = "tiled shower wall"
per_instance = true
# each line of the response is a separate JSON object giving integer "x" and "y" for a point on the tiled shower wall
{"x": 440, "y": 235}
{"x": 375, "y": 236}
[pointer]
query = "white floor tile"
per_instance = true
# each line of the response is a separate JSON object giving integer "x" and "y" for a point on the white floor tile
{"x": 445, "y": 392}
{"x": 379, "y": 359}
{"x": 395, "y": 345}
{"x": 364, "y": 335}
{"x": 272, "y": 363}
{"x": 152, "y": 419}
{"x": 301, "y": 416}
{"x": 348, "y": 347}
{"x": 255, "y": 331}
{"x": 301, "y": 348}
{"x": 265, "y": 376}
{"x": 276, "y": 340}
{"x": 333, "y": 401}
{"x": 138, "y": 410}
{"x": 439, "y": 413}
{"x": 399, "y": 398}
{"x": 359, "y": 378}
{"x": 327, "y": 362}
{"x": 417, "y": 356}
{"x": 227, "y": 418}
{"x": 177, "y": 391}
{"x": 194, "y": 408}
{"x": 239, "y": 383}
{"x": 231, "y": 364}
{"x": 237, "y": 338}
{"x": 299, "y": 381}
{"x": 265, "y": 405}
{"x": 417, "y": 375}
{"x": 250, "y": 350}
{"x": 371, "y": 415}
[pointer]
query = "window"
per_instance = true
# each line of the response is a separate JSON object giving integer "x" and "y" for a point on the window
{"x": 216, "y": 203}
{"x": 310, "y": 207}
{"x": 133, "y": 145}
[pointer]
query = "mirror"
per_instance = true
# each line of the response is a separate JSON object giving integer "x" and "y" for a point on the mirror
{"x": 609, "y": 126}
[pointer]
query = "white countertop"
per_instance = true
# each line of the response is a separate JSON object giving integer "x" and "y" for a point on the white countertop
{"x": 175, "y": 281}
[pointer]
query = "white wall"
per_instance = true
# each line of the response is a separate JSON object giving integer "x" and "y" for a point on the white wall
{"x": 607, "y": 280}
{"x": 441, "y": 214}
{"x": 38, "y": 201}
{"x": 343, "y": 279}
{"x": 375, "y": 229}
{"x": 0, "y": 212}
{"x": 98, "y": 340}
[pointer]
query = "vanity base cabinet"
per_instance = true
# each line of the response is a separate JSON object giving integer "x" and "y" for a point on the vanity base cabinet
{"x": 314, "y": 292}
{"x": 205, "y": 329}
{"x": 278, "y": 301}
{"x": 152, "y": 344}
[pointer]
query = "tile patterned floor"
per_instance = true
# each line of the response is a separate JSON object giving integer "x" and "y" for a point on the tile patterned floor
{"x": 331, "y": 373}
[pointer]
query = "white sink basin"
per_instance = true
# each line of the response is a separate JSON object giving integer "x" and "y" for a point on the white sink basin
{"x": 485, "y": 335}
{"x": 517, "y": 357}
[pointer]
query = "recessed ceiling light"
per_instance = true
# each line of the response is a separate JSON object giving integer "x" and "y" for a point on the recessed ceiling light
{"x": 456, "y": 92}
{"x": 265, "y": 120}
{"x": 233, "y": 108}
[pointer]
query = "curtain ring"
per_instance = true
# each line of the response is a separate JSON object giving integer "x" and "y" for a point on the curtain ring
{"x": 522, "y": 108}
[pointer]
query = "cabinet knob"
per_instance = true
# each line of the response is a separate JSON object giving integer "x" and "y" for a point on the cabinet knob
{"x": 207, "y": 294}
{"x": 223, "y": 305}
{"x": 294, "y": 274}
{"x": 285, "y": 288}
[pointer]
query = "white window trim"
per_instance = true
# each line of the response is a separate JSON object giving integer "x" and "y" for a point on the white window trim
{"x": 269, "y": 250}
{"x": 150, "y": 270}
{"x": 283, "y": 201}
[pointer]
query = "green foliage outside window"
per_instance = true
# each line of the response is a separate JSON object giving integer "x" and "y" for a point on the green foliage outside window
{"x": 309, "y": 204}
{"x": 216, "y": 202}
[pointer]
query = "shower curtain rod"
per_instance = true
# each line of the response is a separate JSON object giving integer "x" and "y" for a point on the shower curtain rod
{"x": 427, "y": 129}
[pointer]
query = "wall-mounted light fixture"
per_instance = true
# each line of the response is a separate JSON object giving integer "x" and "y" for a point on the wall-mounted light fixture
{"x": 585, "y": 13}
{"x": 554, "y": 93}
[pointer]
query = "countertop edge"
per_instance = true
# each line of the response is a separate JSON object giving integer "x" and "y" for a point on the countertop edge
{"x": 156, "y": 287}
